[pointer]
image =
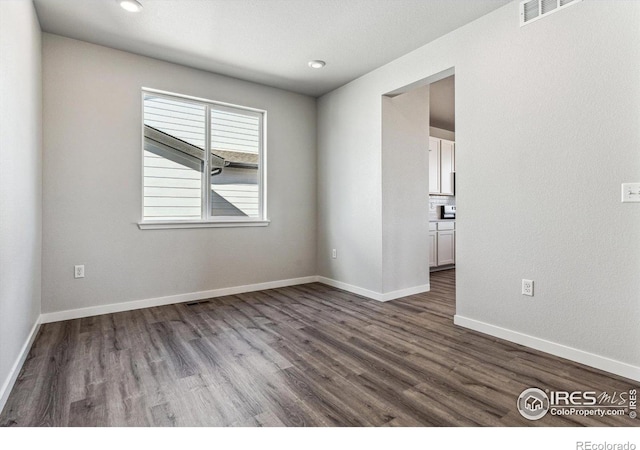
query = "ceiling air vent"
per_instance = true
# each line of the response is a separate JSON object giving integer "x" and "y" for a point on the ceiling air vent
{"x": 531, "y": 10}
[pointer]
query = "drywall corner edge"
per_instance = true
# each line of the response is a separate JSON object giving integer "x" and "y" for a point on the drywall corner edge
{"x": 573, "y": 354}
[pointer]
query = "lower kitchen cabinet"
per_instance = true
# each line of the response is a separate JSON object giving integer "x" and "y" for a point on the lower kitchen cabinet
{"x": 433, "y": 248}
{"x": 442, "y": 244}
{"x": 446, "y": 247}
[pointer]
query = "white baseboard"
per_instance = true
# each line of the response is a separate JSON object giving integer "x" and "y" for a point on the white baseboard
{"x": 169, "y": 299}
{"x": 350, "y": 288}
{"x": 5, "y": 390}
{"x": 573, "y": 354}
{"x": 405, "y": 292}
{"x": 79, "y": 313}
{"x": 372, "y": 294}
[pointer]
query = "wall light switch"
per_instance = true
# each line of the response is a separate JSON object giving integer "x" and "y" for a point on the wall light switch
{"x": 630, "y": 192}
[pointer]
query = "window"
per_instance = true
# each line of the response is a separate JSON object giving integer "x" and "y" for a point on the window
{"x": 203, "y": 163}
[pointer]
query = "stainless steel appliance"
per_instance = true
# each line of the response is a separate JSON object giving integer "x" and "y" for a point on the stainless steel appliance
{"x": 448, "y": 211}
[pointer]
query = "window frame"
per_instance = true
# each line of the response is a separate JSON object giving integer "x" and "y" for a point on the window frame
{"x": 207, "y": 220}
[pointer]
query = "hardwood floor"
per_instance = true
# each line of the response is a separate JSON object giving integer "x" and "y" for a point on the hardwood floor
{"x": 308, "y": 355}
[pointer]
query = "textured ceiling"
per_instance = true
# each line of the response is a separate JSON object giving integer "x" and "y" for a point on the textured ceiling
{"x": 266, "y": 41}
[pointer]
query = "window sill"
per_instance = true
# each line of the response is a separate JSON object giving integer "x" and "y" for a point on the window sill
{"x": 164, "y": 225}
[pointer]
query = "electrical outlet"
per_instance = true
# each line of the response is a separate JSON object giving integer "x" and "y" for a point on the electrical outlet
{"x": 78, "y": 271}
{"x": 527, "y": 287}
{"x": 630, "y": 192}
{"x": 334, "y": 253}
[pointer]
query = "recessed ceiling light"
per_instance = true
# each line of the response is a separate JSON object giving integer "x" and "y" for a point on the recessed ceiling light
{"x": 130, "y": 5}
{"x": 317, "y": 64}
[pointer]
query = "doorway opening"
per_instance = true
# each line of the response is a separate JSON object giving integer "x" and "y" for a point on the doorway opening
{"x": 419, "y": 183}
{"x": 442, "y": 175}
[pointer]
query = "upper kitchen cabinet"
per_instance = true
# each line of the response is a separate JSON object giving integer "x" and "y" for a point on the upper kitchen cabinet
{"x": 447, "y": 166}
{"x": 442, "y": 160}
{"x": 434, "y": 165}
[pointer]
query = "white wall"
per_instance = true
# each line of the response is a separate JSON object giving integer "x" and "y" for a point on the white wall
{"x": 547, "y": 129}
{"x": 405, "y": 159}
{"x": 349, "y": 186}
{"x": 20, "y": 182}
{"x": 92, "y": 178}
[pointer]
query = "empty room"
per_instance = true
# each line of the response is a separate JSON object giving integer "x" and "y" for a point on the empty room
{"x": 244, "y": 213}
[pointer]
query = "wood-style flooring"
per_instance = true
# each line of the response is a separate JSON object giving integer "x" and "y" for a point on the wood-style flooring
{"x": 308, "y": 355}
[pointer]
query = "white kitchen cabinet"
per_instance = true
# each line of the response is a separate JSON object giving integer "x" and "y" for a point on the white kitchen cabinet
{"x": 433, "y": 245}
{"x": 434, "y": 165}
{"x": 442, "y": 244}
{"x": 446, "y": 247}
{"x": 447, "y": 166}
{"x": 441, "y": 166}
